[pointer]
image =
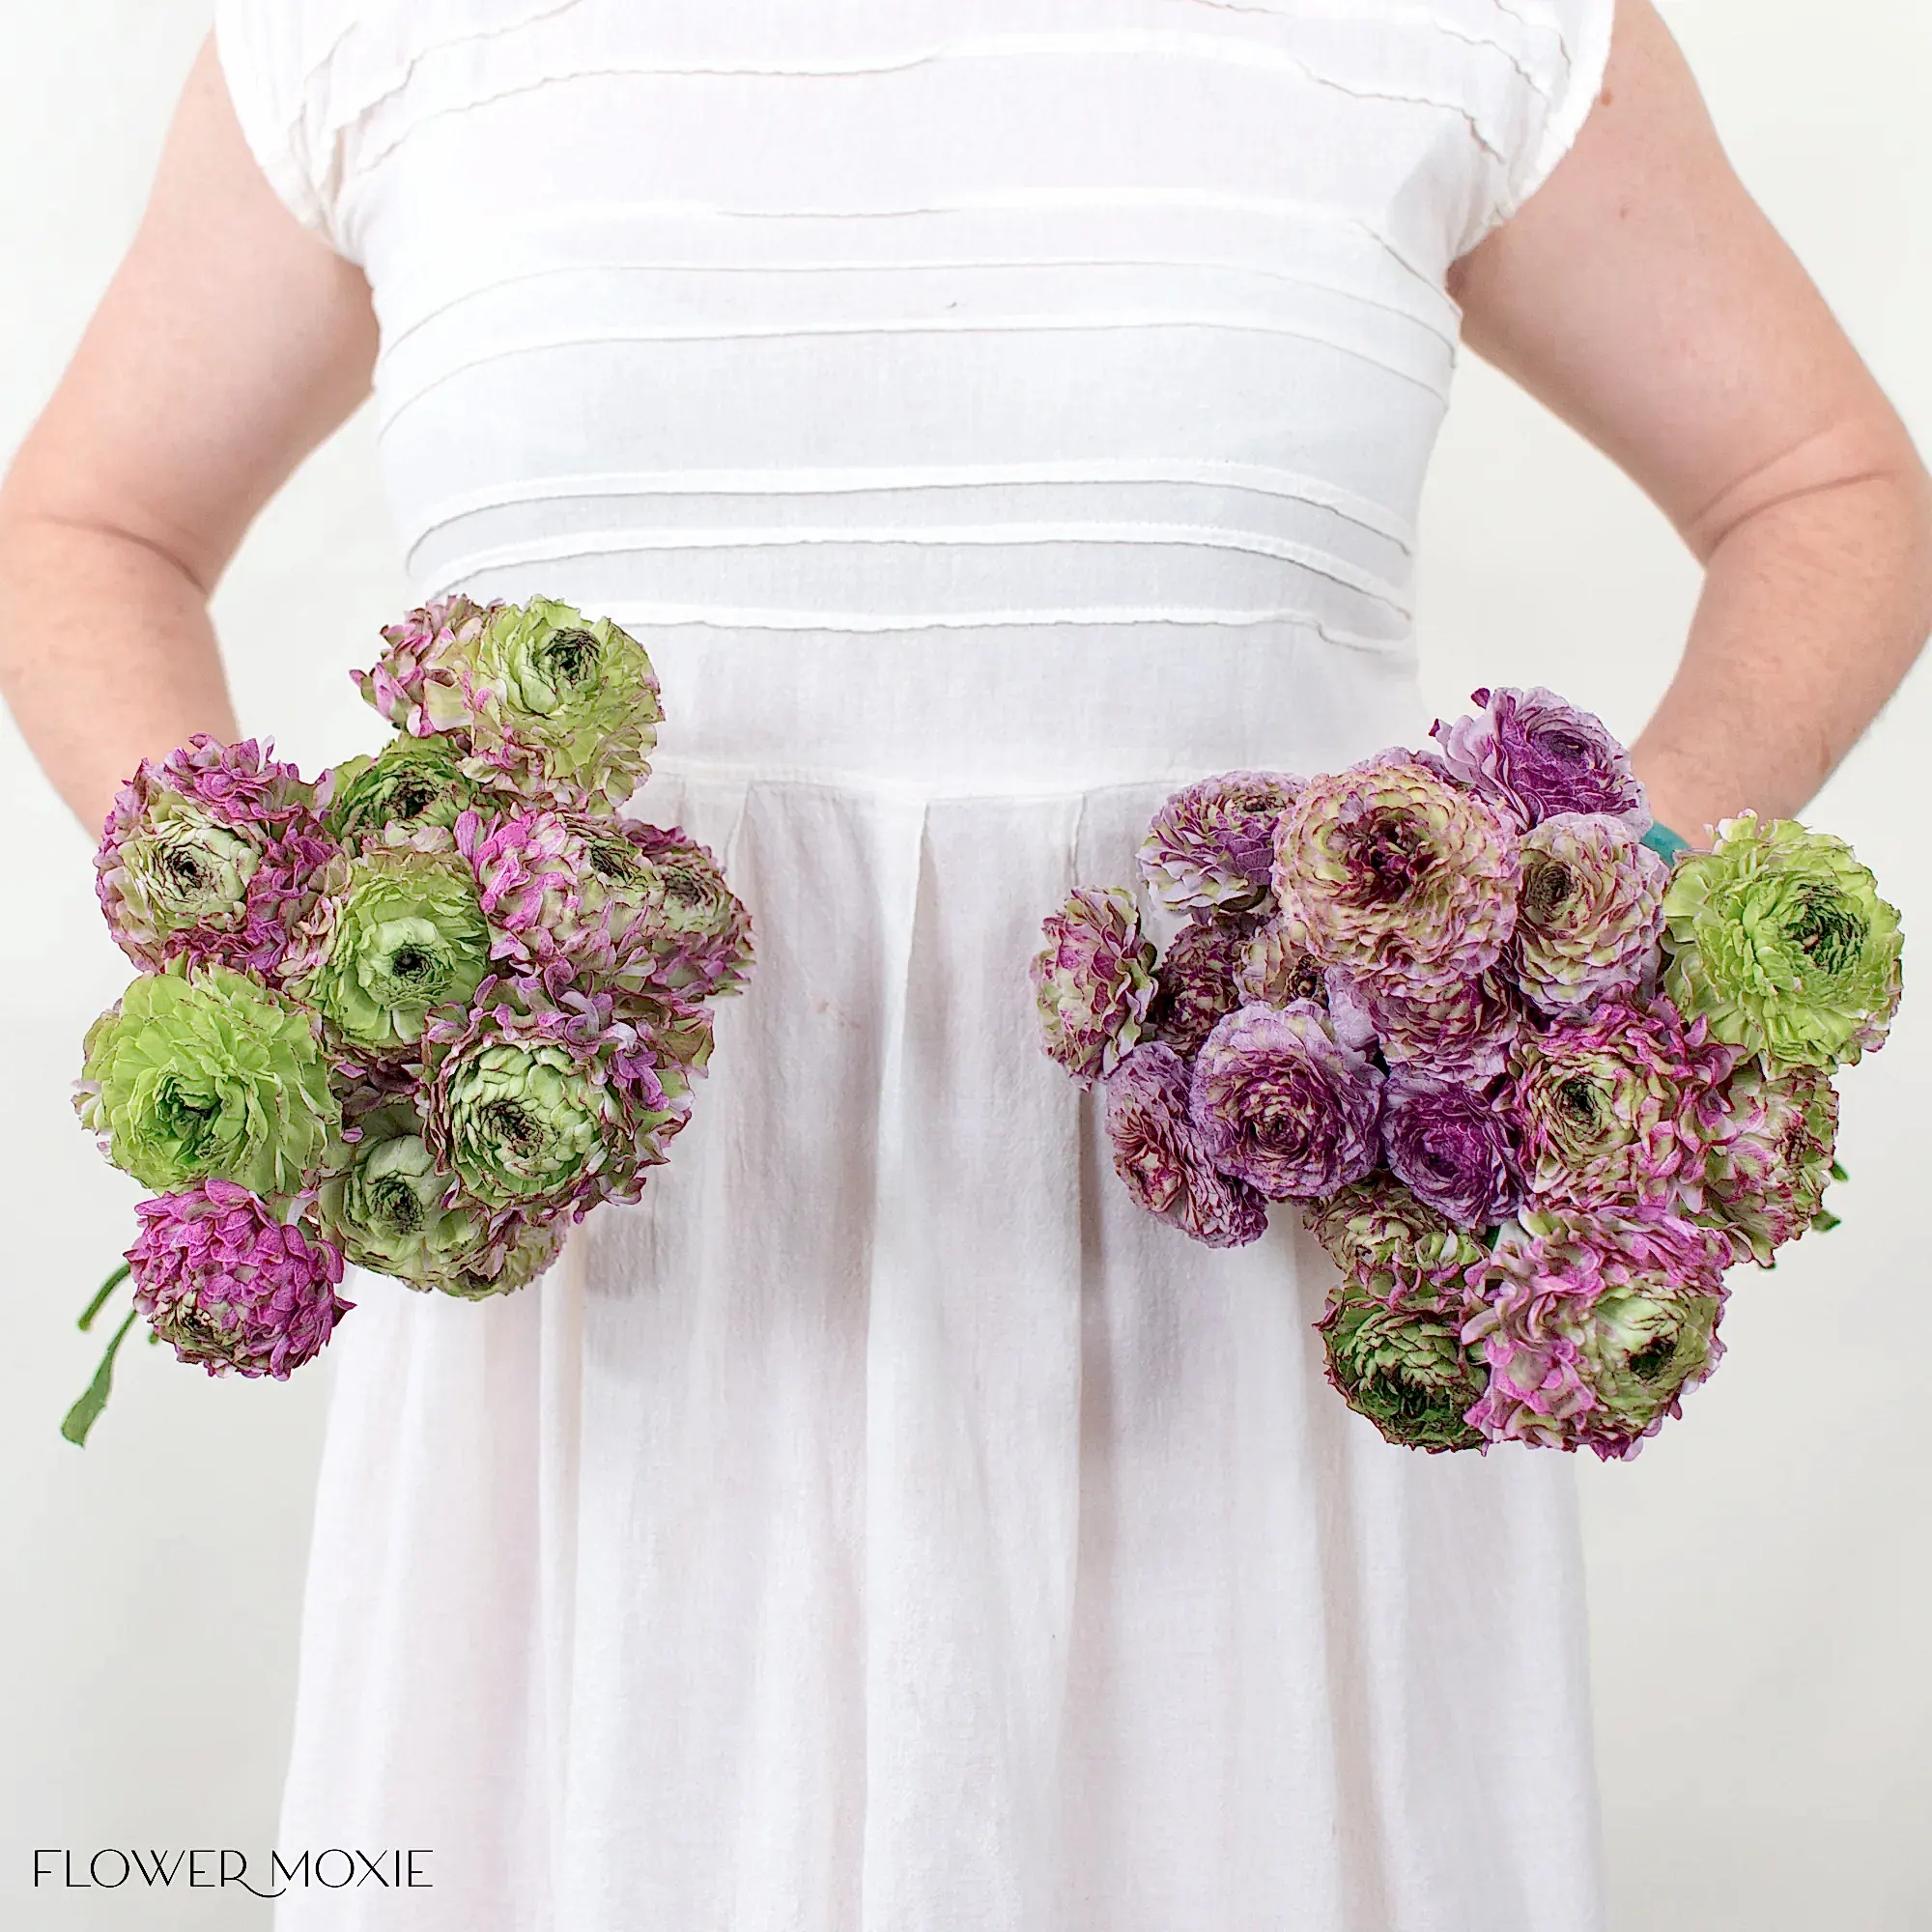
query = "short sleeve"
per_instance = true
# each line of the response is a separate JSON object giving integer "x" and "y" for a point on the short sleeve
{"x": 268, "y": 65}
{"x": 1558, "y": 51}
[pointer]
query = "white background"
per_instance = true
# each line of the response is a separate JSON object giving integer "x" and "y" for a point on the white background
{"x": 1758, "y": 1580}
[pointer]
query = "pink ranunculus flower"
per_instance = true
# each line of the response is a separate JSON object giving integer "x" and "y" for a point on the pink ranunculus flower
{"x": 233, "y": 1286}
{"x": 1593, "y": 1326}
{"x": 1620, "y": 1109}
{"x": 210, "y": 856}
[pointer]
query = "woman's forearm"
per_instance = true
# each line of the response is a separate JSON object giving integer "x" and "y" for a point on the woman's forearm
{"x": 106, "y": 654}
{"x": 1813, "y": 608}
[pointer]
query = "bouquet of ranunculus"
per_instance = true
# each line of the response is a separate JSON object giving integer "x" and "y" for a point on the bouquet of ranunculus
{"x": 420, "y": 1014}
{"x": 1535, "y": 1072}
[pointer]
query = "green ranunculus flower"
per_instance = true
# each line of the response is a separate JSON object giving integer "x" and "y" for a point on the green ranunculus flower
{"x": 387, "y": 1211}
{"x": 1394, "y": 1247}
{"x": 398, "y": 933}
{"x": 525, "y": 1120}
{"x": 409, "y": 783}
{"x": 1406, "y": 1370}
{"x": 183, "y": 871}
{"x": 1639, "y": 1351}
{"x": 1780, "y": 938}
{"x": 561, "y": 700}
{"x": 533, "y": 1248}
{"x": 204, "y": 1074}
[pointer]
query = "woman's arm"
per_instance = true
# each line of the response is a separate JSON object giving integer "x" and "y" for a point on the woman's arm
{"x": 1643, "y": 296}
{"x": 229, "y": 344}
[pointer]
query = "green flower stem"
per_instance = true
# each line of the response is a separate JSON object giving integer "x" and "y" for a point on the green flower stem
{"x": 100, "y": 1301}
{"x": 86, "y": 1412}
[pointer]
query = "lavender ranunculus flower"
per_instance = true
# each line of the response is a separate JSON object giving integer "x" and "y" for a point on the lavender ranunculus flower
{"x": 1464, "y": 1035}
{"x": 1452, "y": 1147}
{"x": 1159, "y": 1154}
{"x": 1593, "y": 1326}
{"x": 1092, "y": 982}
{"x": 1389, "y": 869}
{"x": 1275, "y": 971}
{"x": 1393, "y": 1246}
{"x": 1211, "y": 846}
{"x": 232, "y": 1286}
{"x": 1620, "y": 1109}
{"x": 210, "y": 856}
{"x": 1765, "y": 1186}
{"x": 1280, "y": 1103}
{"x": 1540, "y": 755}
{"x": 1193, "y": 984}
{"x": 1591, "y": 915}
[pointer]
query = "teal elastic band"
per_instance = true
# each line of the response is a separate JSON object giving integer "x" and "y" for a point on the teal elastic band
{"x": 1665, "y": 844}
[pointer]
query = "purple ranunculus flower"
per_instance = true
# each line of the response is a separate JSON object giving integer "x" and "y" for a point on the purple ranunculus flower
{"x": 1541, "y": 755}
{"x": 231, "y": 1285}
{"x": 1211, "y": 846}
{"x": 1092, "y": 982}
{"x": 1158, "y": 1154}
{"x": 1280, "y": 1103}
{"x": 1390, "y": 869}
{"x": 1452, "y": 1147}
{"x": 1195, "y": 982}
{"x": 211, "y": 855}
{"x": 1464, "y": 1035}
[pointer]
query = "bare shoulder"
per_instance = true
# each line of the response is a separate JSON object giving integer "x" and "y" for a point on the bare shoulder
{"x": 229, "y": 342}
{"x": 1645, "y": 297}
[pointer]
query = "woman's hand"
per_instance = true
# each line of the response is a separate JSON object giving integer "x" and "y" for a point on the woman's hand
{"x": 229, "y": 344}
{"x": 1643, "y": 296}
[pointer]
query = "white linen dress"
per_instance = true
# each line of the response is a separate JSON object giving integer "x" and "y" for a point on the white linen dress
{"x": 991, "y": 414}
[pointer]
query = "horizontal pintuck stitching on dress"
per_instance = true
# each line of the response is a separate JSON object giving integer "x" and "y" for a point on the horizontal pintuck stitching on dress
{"x": 833, "y": 483}
{"x": 1128, "y": 43}
{"x": 608, "y": 542}
{"x": 869, "y": 623}
{"x": 391, "y": 408}
{"x": 1072, "y": 198}
{"x": 1424, "y": 16}
{"x": 453, "y": 300}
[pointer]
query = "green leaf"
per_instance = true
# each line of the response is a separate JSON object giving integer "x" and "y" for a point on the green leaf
{"x": 1838, "y": 1173}
{"x": 86, "y": 1412}
{"x": 100, "y": 1301}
